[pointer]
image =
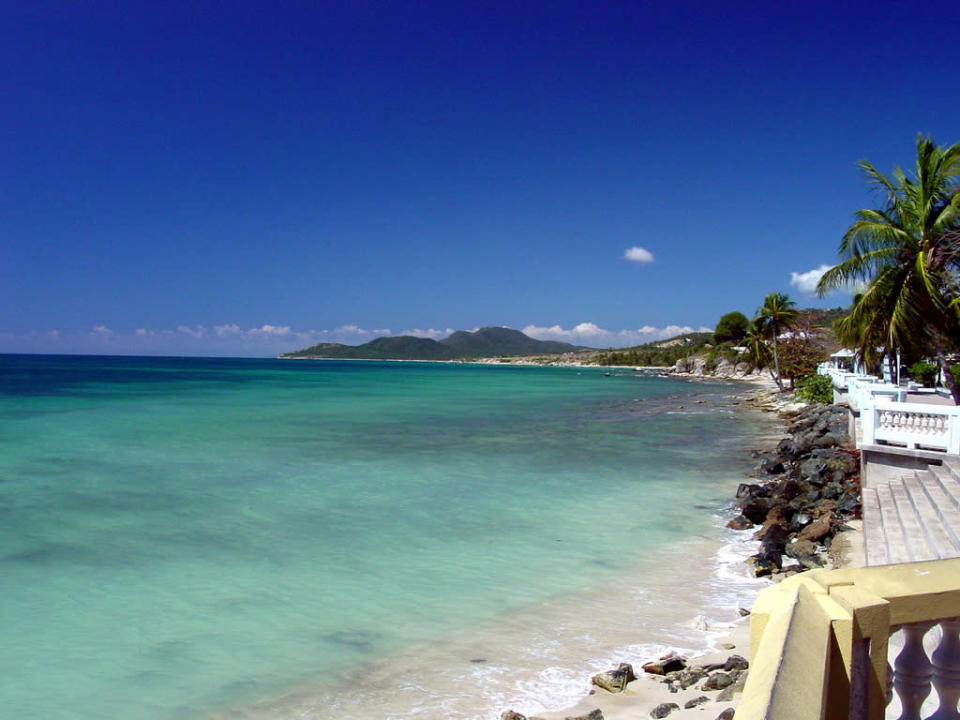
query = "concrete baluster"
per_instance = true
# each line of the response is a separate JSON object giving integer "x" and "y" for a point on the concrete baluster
{"x": 912, "y": 671}
{"x": 946, "y": 670}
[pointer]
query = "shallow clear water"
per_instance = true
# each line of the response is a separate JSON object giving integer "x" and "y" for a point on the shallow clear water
{"x": 180, "y": 536}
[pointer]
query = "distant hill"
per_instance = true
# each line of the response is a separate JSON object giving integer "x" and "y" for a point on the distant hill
{"x": 461, "y": 345}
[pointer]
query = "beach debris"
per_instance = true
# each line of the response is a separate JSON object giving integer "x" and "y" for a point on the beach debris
{"x": 727, "y": 645}
{"x": 695, "y": 701}
{"x": 727, "y": 714}
{"x": 592, "y": 715}
{"x": 671, "y": 662}
{"x": 663, "y": 709}
{"x": 478, "y": 660}
{"x": 615, "y": 681}
{"x": 513, "y": 715}
{"x": 719, "y": 680}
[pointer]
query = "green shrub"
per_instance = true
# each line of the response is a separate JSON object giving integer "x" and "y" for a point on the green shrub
{"x": 732, "y": 328}
{"x": 924, "y": 373}
{"x": 814, "y": 389}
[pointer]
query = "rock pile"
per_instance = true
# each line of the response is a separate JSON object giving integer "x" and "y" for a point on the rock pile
{"x": 727, "y": 677}
{"x": 813, "y": 487}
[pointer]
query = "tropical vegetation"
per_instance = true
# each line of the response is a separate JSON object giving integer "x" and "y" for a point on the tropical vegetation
{"x": 777, "y": 314}
{"x": 814, "y": 389}
{"x": 906, "y": 255}
{"x": 732, "y": 328}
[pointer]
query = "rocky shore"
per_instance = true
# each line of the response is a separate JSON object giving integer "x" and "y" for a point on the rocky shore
{"x": 807, "y": 492}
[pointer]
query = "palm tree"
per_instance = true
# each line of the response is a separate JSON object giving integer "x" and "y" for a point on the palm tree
{"x": 777, "y": 313}
{"x": 865, "y": 330}
{"x": 908, "y": 252}
{"x": 758, "y": 352}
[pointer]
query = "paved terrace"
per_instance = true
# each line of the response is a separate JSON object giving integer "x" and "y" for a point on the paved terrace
{"x": 912, "y": 514}
{"x": 915, "y": 517}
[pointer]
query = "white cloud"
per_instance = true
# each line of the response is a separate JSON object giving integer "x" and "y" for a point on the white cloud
{"x": 230, "y": 330}
{"x": 432, "y": 333}
{"x": 53, "y": 334}
{"x": 638, "y": 254}
{"x": 588, "y": 333}
{"x": 197, "y": 331}
{"x": 807, "y": 282}
{"x": 143, "y": 332}
{"x": 270, "y": 330}
{"x": 102, "y": 331}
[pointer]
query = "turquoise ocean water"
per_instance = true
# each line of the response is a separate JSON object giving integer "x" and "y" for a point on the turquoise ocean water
{"x": 195, "y": 538}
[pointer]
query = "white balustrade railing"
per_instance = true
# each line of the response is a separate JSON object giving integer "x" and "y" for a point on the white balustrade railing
{"x": 866, "y": 394}
{"x": 862, "y": 388}
{"x": 857, "y": 644}
{"x": 916, "y": 672}
{"x": 912, "y": 424}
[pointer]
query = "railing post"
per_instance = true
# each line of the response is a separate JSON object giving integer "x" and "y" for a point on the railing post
{"x": 953, "y": 425}
{"x": 912, "y": 671}
{"x": 868, "y": 424}
{"x": 946, "y": 671}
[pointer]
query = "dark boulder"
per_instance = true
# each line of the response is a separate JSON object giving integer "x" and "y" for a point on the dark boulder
{"x": 799, "y": 521}
{"x": 719, "y": 680}
{"x": 761, "y": 566}
{"x": 832, "y": 490}
{"x": 739, "y": 523}
{"x": 805, "y": 553}
{"x": 755, "y": 510}
{"x": 736, "y": 662}
{"x": 695, "y": 702}
{"x": 788, "y": 490}
{"x": 849, "y": 505}
{"x": 818, "y": 529}
{"x": 771, "y": 465}
{"x": 683, "y": 679}
{"x": 813, "y": 470}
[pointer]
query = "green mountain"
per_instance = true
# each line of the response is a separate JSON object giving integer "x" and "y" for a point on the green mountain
{"x": 501, "y": 341}
{"x": 486, "y": 342}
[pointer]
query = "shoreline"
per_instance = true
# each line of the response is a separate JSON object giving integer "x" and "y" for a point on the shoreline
{"x": 649, "y": 693}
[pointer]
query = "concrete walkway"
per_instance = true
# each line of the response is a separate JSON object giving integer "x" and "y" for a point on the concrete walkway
{"x": 914, "y": 517}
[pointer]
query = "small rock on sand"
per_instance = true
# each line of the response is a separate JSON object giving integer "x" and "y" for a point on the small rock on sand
{"x": 592, "y": 715}
{"x": 666, "y": 664}
{"x": 615, "y": 681}
{"x": 663, "y": 709}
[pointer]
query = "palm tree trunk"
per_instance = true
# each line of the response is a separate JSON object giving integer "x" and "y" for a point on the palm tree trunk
{"x": 776, "y": 361}
{"x": 949, "y": 380}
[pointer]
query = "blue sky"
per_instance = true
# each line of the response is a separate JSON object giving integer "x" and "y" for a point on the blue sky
{"x": 247, "y": 178}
